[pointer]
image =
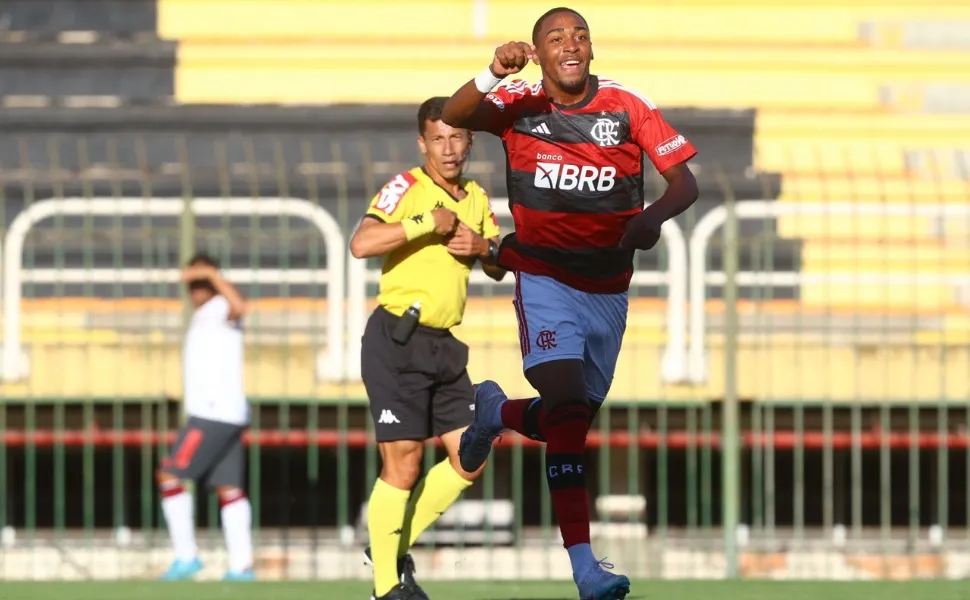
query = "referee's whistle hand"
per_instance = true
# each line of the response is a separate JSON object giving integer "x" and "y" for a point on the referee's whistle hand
{"x": 466, "y": 242}
{"x": 445, "y": 221}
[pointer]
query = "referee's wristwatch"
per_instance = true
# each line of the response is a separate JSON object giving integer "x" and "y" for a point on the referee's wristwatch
{"x": 492, "y": 256}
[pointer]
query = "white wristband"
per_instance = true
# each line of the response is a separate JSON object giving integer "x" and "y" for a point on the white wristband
{"x": 486, "y": 81}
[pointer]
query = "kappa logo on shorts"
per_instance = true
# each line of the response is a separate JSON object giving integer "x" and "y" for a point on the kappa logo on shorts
{"x": 546, "y": 339}
{"x": 388, "y": 418}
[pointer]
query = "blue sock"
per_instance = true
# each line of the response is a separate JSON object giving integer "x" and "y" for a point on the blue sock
{"x": 582, "y": 559}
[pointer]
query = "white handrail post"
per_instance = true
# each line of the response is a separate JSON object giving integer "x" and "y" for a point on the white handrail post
{"x": 329, "y": 363}
{"x": 759, "y": 209}
{"x": 356, "y": 312}
{"x": 699, "y": 238}
{"x": 674, "y": 363}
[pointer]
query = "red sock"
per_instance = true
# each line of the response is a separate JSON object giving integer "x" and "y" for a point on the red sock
{"x": 524, "y": 416}
{"x": 565, "y": 428}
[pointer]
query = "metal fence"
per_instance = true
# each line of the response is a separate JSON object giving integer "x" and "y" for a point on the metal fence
{"x": 793, "y": 398}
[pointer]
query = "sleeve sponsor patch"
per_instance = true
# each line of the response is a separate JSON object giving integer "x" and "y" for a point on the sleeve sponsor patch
{"x": 494, "y": 99}
{"x": 671, "y": 145}
{"x": 392, "y": 193}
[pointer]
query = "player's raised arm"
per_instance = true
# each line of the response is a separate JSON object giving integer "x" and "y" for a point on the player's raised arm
{"x": 467, "y": 108}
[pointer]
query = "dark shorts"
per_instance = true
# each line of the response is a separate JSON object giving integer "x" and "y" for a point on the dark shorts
{"x": 208, "y": 450}
{"x": 417, "y": 390}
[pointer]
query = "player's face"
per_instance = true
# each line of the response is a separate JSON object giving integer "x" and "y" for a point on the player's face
{"x": 200, "y": 295}
{"x": 565, "y": 51}
{"x": 445, "y": 148}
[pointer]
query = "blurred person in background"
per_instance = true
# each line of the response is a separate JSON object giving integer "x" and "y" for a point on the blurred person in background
{"x": 430, "y": 225}
{"x": 575, "y": 145}
{"x": 210, "y": 447}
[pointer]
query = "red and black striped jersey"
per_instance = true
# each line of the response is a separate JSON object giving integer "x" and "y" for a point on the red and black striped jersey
{"x": 575, "y": 177}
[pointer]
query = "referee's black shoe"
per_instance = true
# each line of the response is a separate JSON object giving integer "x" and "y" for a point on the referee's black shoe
{"x": 400, "y": 592}
{"x": 405, "y": 570}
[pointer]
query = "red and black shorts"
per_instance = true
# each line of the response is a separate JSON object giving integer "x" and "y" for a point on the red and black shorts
{"x": 209, "y": 451}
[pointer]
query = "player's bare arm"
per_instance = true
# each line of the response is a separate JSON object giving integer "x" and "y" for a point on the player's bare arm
{"x": 237, "y": 305}
{"x": 376, "y": 238}
{"x": 643, "y": 230}
{"x": 467, "y": 108}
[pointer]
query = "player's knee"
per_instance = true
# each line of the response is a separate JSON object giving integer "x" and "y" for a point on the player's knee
{"x": 227, "y": 494}
{"x": 402, "y": 464}
{"x": 168, "y": 485}
{"x": 559, "y": 382}
{"x": 162, "y": 476}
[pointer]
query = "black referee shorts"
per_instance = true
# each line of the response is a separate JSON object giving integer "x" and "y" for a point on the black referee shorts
{"x": 417, "y": 390}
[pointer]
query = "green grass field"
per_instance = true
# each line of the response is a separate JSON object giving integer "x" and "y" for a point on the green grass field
{"x": 642, "y": 590}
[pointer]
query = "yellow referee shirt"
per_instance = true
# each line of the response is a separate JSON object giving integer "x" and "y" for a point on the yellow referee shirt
{"x": 422, "y": 269}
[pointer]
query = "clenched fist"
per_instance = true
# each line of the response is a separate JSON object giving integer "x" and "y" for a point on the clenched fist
{"x": 511, "y": 58}
{"x": 445, "y": 221}
{"x": 642, "y": 231}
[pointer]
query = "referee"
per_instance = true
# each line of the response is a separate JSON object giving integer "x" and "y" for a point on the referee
{"x": 430, "y": 225}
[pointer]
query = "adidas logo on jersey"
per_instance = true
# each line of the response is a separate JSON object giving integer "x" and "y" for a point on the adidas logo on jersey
{"x": 543, "y": 128}
{"x": 387, "y": 418}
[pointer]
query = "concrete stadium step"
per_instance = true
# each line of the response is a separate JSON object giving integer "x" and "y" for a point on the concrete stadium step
{"x": 116, "y": 16}
{"x": 738, "y": 20}
{"x": 683, "y": 75}
{"x": 859, "y": 228}
{"x": 918, "y": 33}
{"x": 787, "y": 368}
{"x": 110, "y": 69}
{"x": 937, "y": 163}
{"x": 810, "y": 187}
{"x": 946, "y": 96}
{"x": 820, "y": 256}
{"x": 861, "y": 157}
{"x": 869, "y": 143}
{"x": 855, "y": 292}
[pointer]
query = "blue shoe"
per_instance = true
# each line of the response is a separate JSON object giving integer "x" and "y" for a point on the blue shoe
{"x": 246, "y": 575}
{"x": 476, "y": 441}
{"x": 182, "y": 570}
{"x": 600, "y": 584}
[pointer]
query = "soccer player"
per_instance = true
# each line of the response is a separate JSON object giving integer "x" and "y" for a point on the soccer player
{"x": 210, "y": 446}
{"x": 430, "y": 225}
{"x": 574, "y": 146}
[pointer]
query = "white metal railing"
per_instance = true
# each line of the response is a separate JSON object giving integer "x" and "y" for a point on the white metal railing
{"x": 705, "y": 228}
{"x": 674, "y": 366}
{"x": 330, "y": 362}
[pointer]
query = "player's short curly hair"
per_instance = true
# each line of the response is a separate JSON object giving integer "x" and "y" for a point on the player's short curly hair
{"x": 537, "y": 28}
